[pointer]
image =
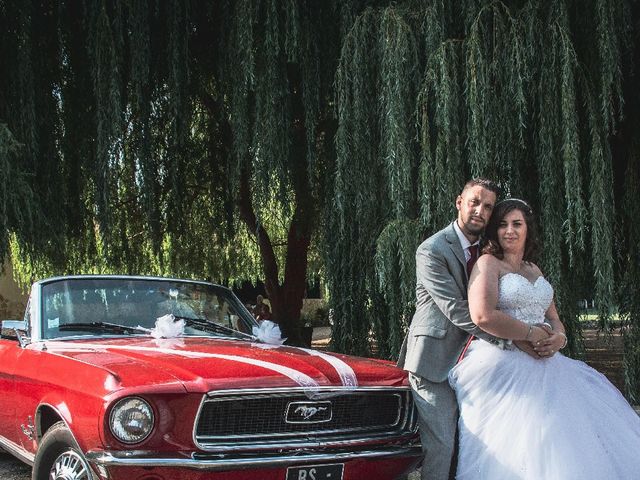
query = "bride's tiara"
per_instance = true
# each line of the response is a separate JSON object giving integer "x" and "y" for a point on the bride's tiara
{"x": 517, "y": 200}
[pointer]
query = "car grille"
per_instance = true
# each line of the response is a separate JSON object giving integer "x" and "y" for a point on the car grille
{"x": 289, "y": 416}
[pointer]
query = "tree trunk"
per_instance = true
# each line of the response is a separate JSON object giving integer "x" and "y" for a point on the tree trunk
{"x": 286, "y": 299}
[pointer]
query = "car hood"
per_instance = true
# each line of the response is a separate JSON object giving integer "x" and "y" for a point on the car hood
{"x": 205, "y": 364}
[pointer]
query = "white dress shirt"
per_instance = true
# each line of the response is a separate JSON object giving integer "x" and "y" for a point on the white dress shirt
{"x": 464, "y": 241}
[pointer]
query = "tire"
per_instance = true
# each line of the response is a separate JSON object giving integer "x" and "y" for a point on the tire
{"x": 58, "y": 457}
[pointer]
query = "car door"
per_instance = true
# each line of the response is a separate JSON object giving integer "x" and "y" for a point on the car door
{"x": 10, "y": 351}
{"x": 11, "y": 403}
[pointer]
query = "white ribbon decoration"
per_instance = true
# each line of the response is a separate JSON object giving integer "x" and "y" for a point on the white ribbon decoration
{"x": 310, "y": 387}
{"x": 167, "y": 327}
{"x": 269, "y": 332}
{"x": 347, "y": 375}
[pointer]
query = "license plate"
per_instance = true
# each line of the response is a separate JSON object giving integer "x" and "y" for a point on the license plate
{"x": 316, "y": 472}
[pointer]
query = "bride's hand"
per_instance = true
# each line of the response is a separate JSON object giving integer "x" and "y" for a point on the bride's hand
{"x": 547, "y": 347}
{"x": 537, "y": 335}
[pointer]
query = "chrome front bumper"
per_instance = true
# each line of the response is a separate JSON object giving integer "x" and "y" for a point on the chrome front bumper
{"x": 215, "y": 462}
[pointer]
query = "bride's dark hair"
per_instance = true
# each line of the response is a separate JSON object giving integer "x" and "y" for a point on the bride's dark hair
{"x": 491, "y": 244}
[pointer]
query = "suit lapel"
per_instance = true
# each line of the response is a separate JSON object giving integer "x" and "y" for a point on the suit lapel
{"x": 456, "y": 248}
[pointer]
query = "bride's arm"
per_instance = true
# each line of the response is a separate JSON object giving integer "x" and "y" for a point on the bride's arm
{"x": 557, "y": 339}
{"x": 558, "y": 336}
{"x": 483, "y": 299}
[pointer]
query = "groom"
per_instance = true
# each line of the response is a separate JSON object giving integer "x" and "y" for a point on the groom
{"x": 441, "y": 324}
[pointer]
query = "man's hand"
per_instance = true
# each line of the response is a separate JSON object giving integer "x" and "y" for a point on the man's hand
{"x": 540, "y": 333}
{"x": 527, "y": 348}
{"x": 547, "y": 347}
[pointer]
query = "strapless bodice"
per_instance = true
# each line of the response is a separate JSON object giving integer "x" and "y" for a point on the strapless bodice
{"x": 522, "y": 299}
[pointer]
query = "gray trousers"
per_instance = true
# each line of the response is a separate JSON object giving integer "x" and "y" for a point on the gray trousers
{"x": 437, "y": 419}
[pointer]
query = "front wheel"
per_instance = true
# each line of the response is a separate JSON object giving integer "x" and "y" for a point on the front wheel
{"x": 58, "y": 457}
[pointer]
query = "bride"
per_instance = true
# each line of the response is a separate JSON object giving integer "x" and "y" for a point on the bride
{"x": 533, "y": 413}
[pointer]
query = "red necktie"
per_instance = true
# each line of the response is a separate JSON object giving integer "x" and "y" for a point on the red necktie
{"x": 473, "y": 250}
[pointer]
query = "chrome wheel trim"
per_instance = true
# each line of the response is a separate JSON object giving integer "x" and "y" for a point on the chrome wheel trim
{"x": 69, "y": 466}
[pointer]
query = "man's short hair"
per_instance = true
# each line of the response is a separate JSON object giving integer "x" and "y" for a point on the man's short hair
{"x": 484, "y": 183}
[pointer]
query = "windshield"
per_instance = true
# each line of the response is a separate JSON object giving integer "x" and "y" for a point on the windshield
{"x": 96, "y": 306}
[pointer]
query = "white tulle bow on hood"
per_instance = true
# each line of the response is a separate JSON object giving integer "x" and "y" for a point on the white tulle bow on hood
{"x": 167, "y": 327}
{"x": 269, "y": 332}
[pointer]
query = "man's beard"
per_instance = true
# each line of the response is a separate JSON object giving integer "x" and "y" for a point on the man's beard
{"x": 474, "y": 229}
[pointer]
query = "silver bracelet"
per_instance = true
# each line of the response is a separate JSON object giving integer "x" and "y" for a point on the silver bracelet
{"x": 566, "y": 340}
{"x": 528, "y": 333}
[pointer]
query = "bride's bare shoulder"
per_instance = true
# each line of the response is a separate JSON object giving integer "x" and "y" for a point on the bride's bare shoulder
{"x": 490, "y": 264}
{"x": 489, "y": 260}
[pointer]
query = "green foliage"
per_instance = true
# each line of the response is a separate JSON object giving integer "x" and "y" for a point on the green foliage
{"x": 355, "y": 215}
{"x": 496, "y": 73}
{"x": 375, "y": 180}
{"x": 399, "y": 60}
{"x": 174, "y": 137}
{"x": 628, "y": 253}
{"x": 629, "y": 263}
{"x": 396, "y": 272}
{"x": 441, "y": 165}
{"x": 16, "y": 196}
{"x": 521, "y": 92}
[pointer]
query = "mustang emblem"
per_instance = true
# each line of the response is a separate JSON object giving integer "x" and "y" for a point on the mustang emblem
{"x": 308, "y": 412}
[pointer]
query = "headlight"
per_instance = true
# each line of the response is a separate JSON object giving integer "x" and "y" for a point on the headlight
{"x": 131, "y": 420}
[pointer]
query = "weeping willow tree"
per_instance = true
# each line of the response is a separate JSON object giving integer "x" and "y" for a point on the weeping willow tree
{"x": 627, "y": 181}
{"x": 223, "y": 139}
{"x": 629, "y": 270}
{"x": 374, "y": 198}
{"x": 432, "y": 93}
{"x": 171, "y": 137}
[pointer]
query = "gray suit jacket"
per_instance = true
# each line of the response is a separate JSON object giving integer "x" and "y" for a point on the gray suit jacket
{"x": 441, "y": 325}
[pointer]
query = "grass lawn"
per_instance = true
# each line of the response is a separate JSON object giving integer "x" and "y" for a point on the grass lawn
{"x": 591, "y": 315}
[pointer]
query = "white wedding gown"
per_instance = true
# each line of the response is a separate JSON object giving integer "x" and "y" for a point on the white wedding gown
{"x": 550, "y": 419}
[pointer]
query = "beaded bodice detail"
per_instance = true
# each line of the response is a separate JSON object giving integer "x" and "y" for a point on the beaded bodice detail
{"x": 523, "y": 299}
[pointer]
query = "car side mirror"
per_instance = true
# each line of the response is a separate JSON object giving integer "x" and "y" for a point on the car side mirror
{"x": 14, "y": 330}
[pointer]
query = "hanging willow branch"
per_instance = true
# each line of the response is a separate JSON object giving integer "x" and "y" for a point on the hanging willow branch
{"x": 601, "y": 213}
{"x": 576, "y": 214}
{"x": 16, "y": 196}
{"x": 629, "y": 263}
{"x": 355, "y": 210}
{"x": 141, "y": 125}
{"x": 395, "y": 248}
{"x": 497, "y": 72}
{"x": 24, "y": 85}
{"x": 135, "y": 137}
{"x": 503, "y": 95}
{"x": 239, "y": 65}
{"x": 106, "y": 82}
{"x": 610, "y": 30}
{"x": 396, "y": 271}
{"x": 441, "y": 168}
{"x": 398, "y": 61}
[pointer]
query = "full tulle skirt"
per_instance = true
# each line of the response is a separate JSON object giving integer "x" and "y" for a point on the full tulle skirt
{"x": 525, "y": 418}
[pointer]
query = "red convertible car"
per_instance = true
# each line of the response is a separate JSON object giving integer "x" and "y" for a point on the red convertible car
{"x": 143, "y": 378}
